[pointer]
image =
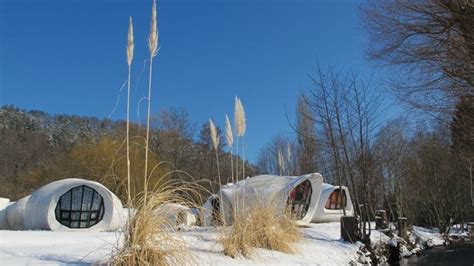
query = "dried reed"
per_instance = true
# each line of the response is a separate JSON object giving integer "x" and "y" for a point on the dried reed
{"x": 151, "y": 238}
{"x": 130, "y": 47}
{"x": 153, "y": 47}
{"x": 215, "y": 144}
{"x": 230, "y": 140}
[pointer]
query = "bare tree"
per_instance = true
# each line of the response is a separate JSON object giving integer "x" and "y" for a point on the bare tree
{"x": 431, "y": 42}
{"x": 391, "y": 148}
{"x": 462, "y": 131}
{"x": 277, "y": 157}
{"x": 306, "y": 138}
{"x": 344, "y": 109}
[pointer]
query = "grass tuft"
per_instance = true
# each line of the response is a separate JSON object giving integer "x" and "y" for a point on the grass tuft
{"x": 261, "y": 227}
{"x": 151, "y": 237}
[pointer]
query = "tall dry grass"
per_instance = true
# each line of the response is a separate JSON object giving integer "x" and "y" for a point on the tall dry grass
{"x": 229, "y": 136}
{"x": 130, "y": 47}
{"x": 151, "y": 238}
{"x": 240, "y": 128}
{"x": 153, "y": 48}
{"x": 261, "y": 227}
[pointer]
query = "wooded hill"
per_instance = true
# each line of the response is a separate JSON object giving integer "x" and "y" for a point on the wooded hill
{"x": 38, "y": 148}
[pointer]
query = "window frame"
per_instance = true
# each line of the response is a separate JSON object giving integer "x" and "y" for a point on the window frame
{"x": 75, "y": 218}
{"x": 335, "y": 202}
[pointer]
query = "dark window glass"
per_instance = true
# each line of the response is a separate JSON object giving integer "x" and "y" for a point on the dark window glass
{"x": 336, "y": 200}
{"x": 299, "y": 200}
{"x": 80, "y": 207}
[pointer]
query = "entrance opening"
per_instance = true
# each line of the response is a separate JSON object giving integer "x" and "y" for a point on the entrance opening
{"x": 299, "y": 200}
{"x": 80, "y": 207}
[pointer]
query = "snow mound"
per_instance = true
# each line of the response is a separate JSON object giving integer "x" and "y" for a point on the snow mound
{"x": 427, "y": 236}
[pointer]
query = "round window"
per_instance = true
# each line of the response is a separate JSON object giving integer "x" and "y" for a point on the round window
{"x": 80, "y": 207}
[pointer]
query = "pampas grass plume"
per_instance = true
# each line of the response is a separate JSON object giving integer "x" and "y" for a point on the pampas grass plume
{"x": 240, "y": 122}
{"x": 131, "y": 44}
{"x": 228, "y": 132}
{"x": 214, "y": 136}
{"x": 153, "y": 38}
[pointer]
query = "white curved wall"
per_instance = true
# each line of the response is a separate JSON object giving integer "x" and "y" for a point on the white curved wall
{"x": 4, "y": 202}
{"x": 36, "y": 212}
{"x": 323, "y": 215}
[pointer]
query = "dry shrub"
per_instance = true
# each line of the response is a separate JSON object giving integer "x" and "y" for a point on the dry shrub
{"x": 261, "y": 227}
{"x": 151, "y": 238}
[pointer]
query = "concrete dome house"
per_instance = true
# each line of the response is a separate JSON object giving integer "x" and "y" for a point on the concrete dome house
{"x": 65, "y": 205}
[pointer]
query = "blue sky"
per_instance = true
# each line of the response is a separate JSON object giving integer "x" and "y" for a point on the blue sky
{"x": 69, "y": 56}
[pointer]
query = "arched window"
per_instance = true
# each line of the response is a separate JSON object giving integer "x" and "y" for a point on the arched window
{"x": 336, "y": 200}
{"x": 299, "y": 200}
{"x": 80, "y": 207}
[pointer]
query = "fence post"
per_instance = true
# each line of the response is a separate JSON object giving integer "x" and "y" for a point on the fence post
{"x": 403, "y": 228}
{"x": 381, "y": 219}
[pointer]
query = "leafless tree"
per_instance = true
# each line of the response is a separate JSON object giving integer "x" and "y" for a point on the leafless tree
{"x": 431, "y": 42}
{"x": 345, "y": 111}
{"x": 306, "y": 138}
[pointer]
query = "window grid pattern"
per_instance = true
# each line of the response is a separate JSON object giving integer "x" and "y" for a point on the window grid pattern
{"x": 80, "y": 207}
{"x": 336, "y": 200}
{"x": 299, "y": 200}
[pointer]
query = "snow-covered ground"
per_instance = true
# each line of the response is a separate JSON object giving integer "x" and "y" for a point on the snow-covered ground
{"x": 321, "y": 245}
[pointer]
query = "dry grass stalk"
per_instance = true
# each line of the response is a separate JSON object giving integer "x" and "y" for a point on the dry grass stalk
{"x": 243, "y": 126}
{"x": 261, "y": 227}
{"x": 240, "y": 128}
{"x": 130, "y": 47}
{"x": 151, "y": 238}
{"x": 230, "y": 140}
{"x": 215, "y": 144}
{"x": 153, "y": 46}
{"x": 236, "y": 119}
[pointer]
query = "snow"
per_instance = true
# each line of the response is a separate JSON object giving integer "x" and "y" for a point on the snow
{"x": 55, "y": 248}
{"x": 428, "y": 236}
{"x": 321, "y": 246}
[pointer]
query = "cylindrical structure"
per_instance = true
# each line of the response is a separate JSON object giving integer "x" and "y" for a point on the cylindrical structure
{"x": 68, "y": 204}
{"x": 299, "y": 194}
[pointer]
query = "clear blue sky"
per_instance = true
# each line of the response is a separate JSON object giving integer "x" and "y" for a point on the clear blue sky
{"x": 69, "y": 56}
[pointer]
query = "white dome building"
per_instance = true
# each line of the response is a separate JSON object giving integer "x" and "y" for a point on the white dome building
{"x": 68, "y": 204}
{"x": 299, "y": 193}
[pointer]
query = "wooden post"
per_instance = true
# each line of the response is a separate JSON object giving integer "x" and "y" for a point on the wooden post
{"x": 349, "y": 229}
{"x": 403, "y": 227}
{"x": 470, "y": 228}
{"x": 381, "y": 220}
